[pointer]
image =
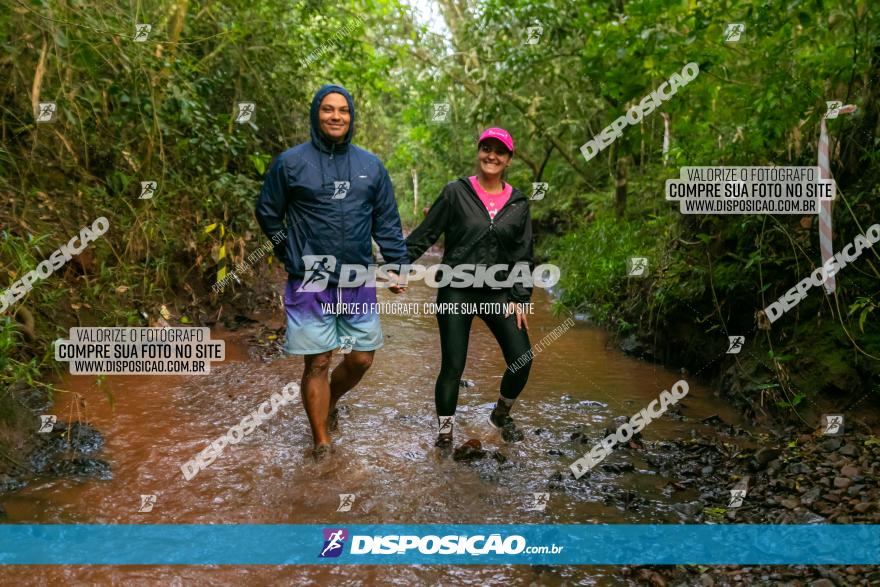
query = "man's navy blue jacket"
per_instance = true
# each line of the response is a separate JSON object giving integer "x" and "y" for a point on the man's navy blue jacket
{"x": 297, "y": 196}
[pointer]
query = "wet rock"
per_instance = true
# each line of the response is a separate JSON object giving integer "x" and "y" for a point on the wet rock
{"x": 9, "y": 484}
{"x": 618, "y": 467}
{"x": 830, "y": 445}
{"x": 708, "y": 470}
{"x": 82, "y": 468}
{"x": 862, "y": 507}
{"x": 842, "y": 482}
{"x": 540, "y": 431}
{"x": 497, "y": 456}
{"x": 790, "y": 503}
{"x": 764, "y": 456}
{"x": 798, "y": 468}
{"x": 471, "y": 450}
{"x": 707, "y": 581}
{"x": 811, "y": 495}
{"x": 850, "y": 450}
{"x": 555, "y": 452}
{"x": 849, "y": 471}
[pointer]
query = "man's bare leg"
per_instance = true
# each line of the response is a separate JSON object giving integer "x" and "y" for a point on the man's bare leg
{"x": 348, "y": 373}
{"x": 316, "y": 394}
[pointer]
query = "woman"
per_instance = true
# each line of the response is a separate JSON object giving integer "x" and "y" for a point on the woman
{"x": 485, "y": 222}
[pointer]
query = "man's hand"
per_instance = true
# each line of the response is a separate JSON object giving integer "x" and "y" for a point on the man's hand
{"x": 395, "y": 286}
{"x": 521, "y": 321}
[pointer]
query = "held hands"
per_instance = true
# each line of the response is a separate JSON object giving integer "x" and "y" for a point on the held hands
{"x": 394, "y": 281}
{"x": 521, "y": 321}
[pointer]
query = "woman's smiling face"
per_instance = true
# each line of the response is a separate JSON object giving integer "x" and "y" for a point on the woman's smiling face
{"x": 493, "y": 157}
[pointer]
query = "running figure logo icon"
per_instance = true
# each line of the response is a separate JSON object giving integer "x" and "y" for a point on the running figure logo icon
{"x": 148, "y": 188}
{"x": 735, "y": 344}
{"x": 736, "y": 498}
{"x": 334, "y": 542}
{"x": 147, "y": 503}
{"x": 539, "y": 190}
{"x": 47, "y": 423}
{"x": 733, "y": 32}
{"x": 346, "y": 500}
{"x": 46, "y": 111}
{"x": 142, "y": 32}
{"x": 539, "y": 502}
{"x": 446, "y": 424}
{"x": 533, "y": 34}
{"x": 834, "y": 107}
{"x": 245, "y": 111}
{"x": 637, "y": 267}
{"x": 440, "y": 112}
{"x": 346, "y": 344}
{"x": 340, "y": 189}
{"x": 832, "y": 424}
{"x": 318, "y": 269}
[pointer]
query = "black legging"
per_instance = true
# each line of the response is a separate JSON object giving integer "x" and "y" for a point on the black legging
{"x": 455, "y": 329}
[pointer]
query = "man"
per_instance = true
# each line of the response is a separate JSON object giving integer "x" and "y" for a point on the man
{"x": 331, "y": 197}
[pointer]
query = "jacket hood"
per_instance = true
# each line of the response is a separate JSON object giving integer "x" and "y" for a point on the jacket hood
{"x": 318, "y": 139}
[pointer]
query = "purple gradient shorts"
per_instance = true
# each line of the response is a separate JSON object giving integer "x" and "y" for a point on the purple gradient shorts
{"x": 314, "y": 327}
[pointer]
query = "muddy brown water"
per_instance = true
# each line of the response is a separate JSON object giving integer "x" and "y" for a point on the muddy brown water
{"x": 384, "y": 452}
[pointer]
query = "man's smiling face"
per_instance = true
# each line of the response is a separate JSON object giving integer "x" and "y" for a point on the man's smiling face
{"x": 334, "y": 117}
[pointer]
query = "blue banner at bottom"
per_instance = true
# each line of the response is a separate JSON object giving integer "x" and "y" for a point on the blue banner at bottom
{"x": 526, "y": 544}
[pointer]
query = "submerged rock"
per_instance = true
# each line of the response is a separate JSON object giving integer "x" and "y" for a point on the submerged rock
{"x": 82, "y": 468}
{"x": 471, "y": 450}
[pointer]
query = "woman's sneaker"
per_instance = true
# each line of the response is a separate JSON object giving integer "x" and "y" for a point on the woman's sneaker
{"x": 500, "y": 418}
{"x": 443, "y": 441}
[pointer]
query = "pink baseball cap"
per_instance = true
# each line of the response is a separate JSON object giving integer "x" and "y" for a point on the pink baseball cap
{"x": 500, "y": 134}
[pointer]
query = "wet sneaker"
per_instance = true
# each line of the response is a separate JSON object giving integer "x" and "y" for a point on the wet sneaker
{"x": 444, "y": 441}
{"x": 501, "y": 419}
{"x": 322, "y": 452}
{"x": 333, "y": 420}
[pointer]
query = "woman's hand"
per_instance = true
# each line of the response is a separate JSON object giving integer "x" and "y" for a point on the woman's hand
{"x": 521, "y": 321}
